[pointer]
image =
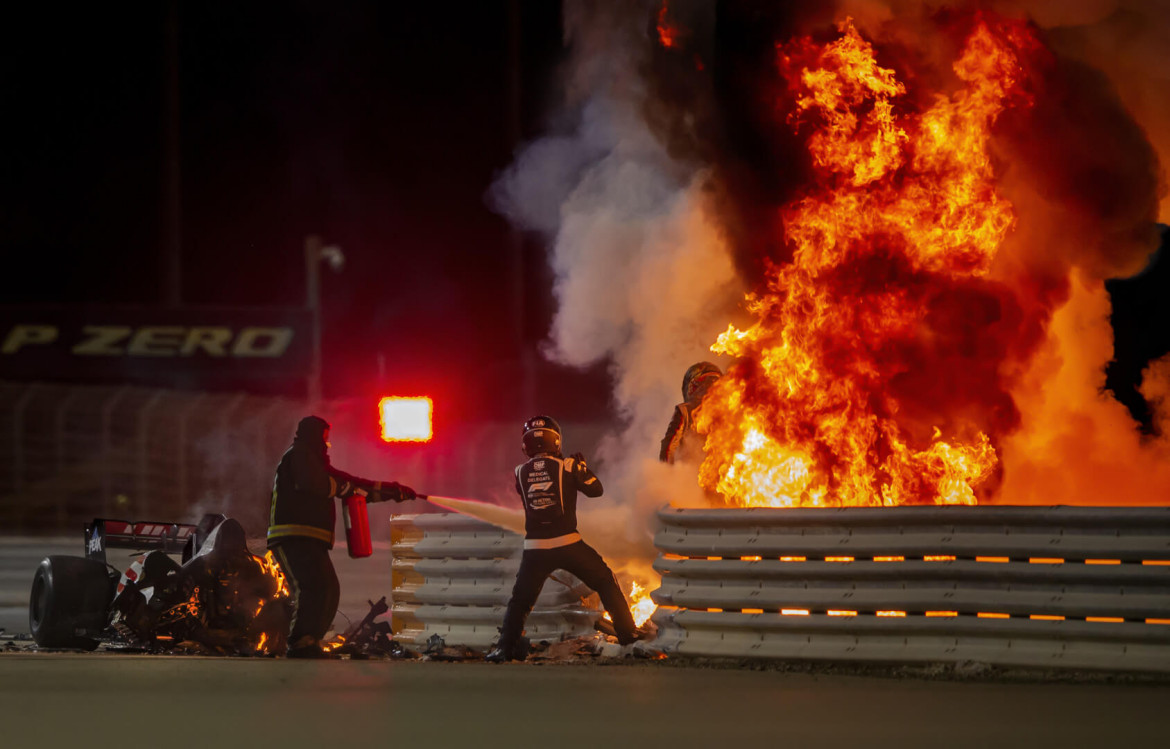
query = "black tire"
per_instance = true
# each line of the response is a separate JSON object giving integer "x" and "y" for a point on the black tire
{"x": 69, "y": 603}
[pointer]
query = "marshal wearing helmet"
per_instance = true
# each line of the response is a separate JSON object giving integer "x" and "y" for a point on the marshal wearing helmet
{"x": 548, "y": 484}
{"x": 300, "y": 529}
{"x": 680, "y": 440}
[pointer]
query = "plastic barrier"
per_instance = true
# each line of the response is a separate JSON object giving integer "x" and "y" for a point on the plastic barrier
{"x": 1072, "y": 587}
{"x": 452, "y": 576}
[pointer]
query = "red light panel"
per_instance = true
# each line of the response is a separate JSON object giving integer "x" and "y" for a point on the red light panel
{"x": 406, "y": 419}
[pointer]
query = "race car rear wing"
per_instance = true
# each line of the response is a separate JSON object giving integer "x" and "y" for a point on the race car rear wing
{"x": 172, "y": 538}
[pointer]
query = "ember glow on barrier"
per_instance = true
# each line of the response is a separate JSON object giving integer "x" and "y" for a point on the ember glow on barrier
{"x": 406, "y": 419}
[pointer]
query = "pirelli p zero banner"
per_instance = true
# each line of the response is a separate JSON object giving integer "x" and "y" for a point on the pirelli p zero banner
{"x": 146, "y": 344}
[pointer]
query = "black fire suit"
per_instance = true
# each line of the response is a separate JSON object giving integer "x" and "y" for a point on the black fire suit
{"x": 300, "y": 526}
{"x": 548, "y": 486}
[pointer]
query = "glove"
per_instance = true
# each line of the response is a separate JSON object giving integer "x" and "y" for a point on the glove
{"x": 579, "y": 459}
{"x": 344, "y": 489}
{"x": 405, "y": 493}
{"x": 392, "y": 491}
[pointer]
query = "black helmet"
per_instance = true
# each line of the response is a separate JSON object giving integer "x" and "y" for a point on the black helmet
{"x": 311, "y": 432}
{"x": 542, "y": 436}
{"x": 698, "y": 378}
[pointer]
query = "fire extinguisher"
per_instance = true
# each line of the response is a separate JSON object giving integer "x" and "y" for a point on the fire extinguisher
{"x": 357, "y": 526}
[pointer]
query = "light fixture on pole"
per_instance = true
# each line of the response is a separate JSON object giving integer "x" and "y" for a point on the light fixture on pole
{"x": 315, "y": 252}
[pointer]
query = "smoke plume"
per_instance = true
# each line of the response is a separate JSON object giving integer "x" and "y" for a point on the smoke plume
{"x": 645, "y": 278}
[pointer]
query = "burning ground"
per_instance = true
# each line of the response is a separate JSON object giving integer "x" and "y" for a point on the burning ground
{"x": 891, "y": 223}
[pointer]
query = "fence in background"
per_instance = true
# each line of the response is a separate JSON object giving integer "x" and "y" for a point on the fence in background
{"x": 1068, "y": 587}
{"x": 452, "y": 577}
{"x": 69, "y": 453}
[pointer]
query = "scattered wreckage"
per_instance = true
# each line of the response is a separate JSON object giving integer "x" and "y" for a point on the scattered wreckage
{"x": 219, "y": 599}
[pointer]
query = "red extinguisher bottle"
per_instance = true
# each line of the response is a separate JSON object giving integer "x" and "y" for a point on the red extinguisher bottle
{"x": 357, "y": 526}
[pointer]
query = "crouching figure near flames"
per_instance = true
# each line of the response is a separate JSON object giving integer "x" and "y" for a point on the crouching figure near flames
{"x": 681, "y": 443}
{"x": 548, "y": 484}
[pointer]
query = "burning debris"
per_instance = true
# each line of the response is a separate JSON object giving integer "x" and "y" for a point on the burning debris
{"x": 368, "y": 638}
{"x": 223, "y": 600}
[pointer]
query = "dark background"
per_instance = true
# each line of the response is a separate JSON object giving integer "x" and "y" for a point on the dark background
{"x": 378, "y": 126}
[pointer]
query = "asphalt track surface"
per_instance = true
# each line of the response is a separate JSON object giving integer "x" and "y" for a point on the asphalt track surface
{"x": 99, "y": 700}
{"x": 105, "y": 699}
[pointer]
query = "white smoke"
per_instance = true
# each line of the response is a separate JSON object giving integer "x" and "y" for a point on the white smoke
{"x": 644, "y": 280}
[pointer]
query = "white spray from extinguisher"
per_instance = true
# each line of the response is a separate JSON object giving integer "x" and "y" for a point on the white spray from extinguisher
{"x": 501, "y": 517}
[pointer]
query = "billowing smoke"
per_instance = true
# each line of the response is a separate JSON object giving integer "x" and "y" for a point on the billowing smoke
{"x": 645, "y": 279}
{"x": 660, "y": 191}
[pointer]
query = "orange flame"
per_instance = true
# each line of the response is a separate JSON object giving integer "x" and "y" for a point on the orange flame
{"x": 270, "y": 567}
{"x": 904, "y": 205}
{"x": 667, "y": 32}
{"x": 641, "y": 605}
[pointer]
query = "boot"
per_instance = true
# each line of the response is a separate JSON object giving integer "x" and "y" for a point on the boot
{"x": 498, "y": 655}
{"x": 639, "y": 633}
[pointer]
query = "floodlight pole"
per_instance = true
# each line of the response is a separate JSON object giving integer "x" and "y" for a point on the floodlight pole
{"x": 313, "y": 304}
{"x": 315, "y": 252}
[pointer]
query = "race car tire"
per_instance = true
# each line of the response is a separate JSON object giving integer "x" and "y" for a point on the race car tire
{"x": 69, "y": 603}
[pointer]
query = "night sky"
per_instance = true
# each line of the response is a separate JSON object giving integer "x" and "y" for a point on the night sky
{"x": 378, "y": 126}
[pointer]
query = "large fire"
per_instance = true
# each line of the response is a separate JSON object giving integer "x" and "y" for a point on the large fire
{"x": 820, "y": 407}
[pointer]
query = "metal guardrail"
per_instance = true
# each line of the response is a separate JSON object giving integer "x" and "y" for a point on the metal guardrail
{"x": 452, "y": 576}
{"x": 1070, "y": 587}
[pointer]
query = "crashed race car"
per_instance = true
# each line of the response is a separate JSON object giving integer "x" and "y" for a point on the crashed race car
{"x": 220, "y": 598}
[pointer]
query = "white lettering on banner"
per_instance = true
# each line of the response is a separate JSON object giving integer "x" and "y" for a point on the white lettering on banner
{"x": 155, "y": 341}
{"x": 213, "y": 341}
{"x": 277, "y": 342}
{"x": 101, "y": 340}
{"x": 26, "y": 334}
